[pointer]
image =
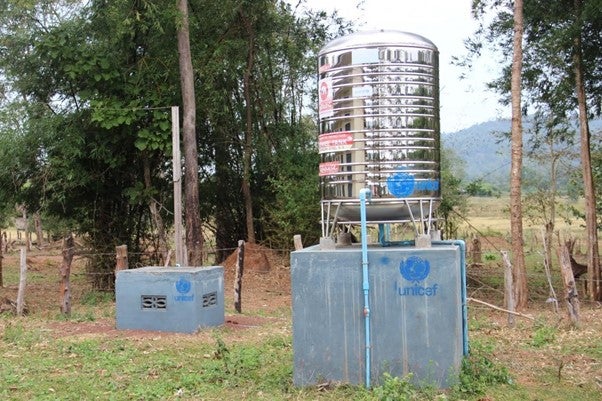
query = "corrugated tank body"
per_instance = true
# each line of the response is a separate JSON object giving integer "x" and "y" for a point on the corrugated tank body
{"x": 379, "y": 126}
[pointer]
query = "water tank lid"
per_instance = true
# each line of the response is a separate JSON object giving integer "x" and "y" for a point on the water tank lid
{"x": 377, "y": 38}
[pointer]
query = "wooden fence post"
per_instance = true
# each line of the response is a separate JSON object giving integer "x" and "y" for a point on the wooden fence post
{"x": 68, "y": 252}
{"x": 476, "y": 251}
{"x": 509, "y": 287}
{"x": 298, "y": 242}
{"x": 121, "y": 255}
{"x": 1, "y": 257}
{"x": 240, "y": 264}
{"x": 22, "y": 282}
{"x": 572, "y": 299}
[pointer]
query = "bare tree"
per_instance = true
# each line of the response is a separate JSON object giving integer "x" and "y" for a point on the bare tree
{"x": 593, "y": 257}
{"x": 516, "y": 214}
{"x": 194, "y": 234}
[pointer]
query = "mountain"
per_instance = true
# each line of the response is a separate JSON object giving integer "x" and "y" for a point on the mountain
{"x": 486, "y": 150}
{"x": 483, "y": 148}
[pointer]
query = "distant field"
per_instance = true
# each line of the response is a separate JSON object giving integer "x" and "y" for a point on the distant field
{"x": 491, "y": 215}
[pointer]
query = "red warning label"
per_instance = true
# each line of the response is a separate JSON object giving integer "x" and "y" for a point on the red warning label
{"x": 335, "y": 142}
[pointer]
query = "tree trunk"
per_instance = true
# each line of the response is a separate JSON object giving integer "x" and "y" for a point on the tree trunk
{"x": 550, "y": 224}
{"x": 248, "y": 145}
{"x": 593, "y": 257}
{"x": 516, "y": 214}
{"x": 37, "y": 223}
{"x": 22, "y": 282}
{"x": 570, "y": 288}
{"x": 240, "y": 266}
{"x": 155, "y": 215}
{"x": 68, "y": 251}
{"x": 1, "y": 257}
{"x": 223, "y": 213}
{"x": 194, "y": 233}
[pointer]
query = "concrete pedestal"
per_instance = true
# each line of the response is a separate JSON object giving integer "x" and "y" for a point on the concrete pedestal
{"x": 182, "y": 299}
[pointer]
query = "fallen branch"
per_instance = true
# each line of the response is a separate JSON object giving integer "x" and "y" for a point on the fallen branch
{"x": 500, "y": 309}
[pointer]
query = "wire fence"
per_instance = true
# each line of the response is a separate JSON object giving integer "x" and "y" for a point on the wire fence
{"x": 105, "y": 262}
{"x": 485, "y": 278}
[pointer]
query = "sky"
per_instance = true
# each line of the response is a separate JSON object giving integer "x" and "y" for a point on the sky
{"x": 447, "y": 23}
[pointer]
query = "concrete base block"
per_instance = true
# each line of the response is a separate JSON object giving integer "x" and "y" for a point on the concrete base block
{"x": 181, "y": 299}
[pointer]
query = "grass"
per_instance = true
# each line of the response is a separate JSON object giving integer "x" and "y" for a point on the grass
{"x": 215, "y": 365}
{"x": 45, "y": 355}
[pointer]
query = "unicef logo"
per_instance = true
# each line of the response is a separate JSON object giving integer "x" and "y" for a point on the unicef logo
{"x": 183, "y": 285}
{"x": 401, "y": 184}
{"x": 414, "y": 269}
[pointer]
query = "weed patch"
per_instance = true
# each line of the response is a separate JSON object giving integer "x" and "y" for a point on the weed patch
{"x": 479, "y": 372}
{"x": 543, "y": 335}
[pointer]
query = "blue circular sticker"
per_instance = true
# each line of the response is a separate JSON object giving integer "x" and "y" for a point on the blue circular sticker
{"x": 183, "y": 285}
{"x": 414, "y": 268}
{"x": 401, "y": 184}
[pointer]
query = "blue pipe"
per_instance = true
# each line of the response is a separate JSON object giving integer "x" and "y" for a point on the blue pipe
{"x": 365, "y": 195}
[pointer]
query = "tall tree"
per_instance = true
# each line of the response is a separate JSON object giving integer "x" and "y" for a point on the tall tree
{"x": 249, "y": 32}
{"x": 562, "y": 46}
{"x": 194, "y": 232}
{"x": 593, "y": 257}
{"x": 519, "y": 269}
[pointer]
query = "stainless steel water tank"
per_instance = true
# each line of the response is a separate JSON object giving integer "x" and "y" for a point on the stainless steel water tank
{"x": 379, "y": 126}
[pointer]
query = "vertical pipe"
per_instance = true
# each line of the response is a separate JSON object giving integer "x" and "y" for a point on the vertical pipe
{"x": 365, "y": 195}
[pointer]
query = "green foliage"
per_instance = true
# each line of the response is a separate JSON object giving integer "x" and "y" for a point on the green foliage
{"x": 295, "y": 206}
{"x": 16, "y": 334}
{"x": 85, "y": 132}
{"x": 95, "y": 298}
{"x": 395, "y": 389}
{"x": 453, "y": 202}
{"x": 543, "y": 335}
{"x": 479, "y": 187}
{"x": 479, "y": 372}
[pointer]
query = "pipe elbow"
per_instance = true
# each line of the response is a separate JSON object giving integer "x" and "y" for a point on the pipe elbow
{"x": 365, "y": 194}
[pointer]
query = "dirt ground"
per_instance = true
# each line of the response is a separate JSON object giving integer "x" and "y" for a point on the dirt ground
{"x": 265, "y": 292}
{"x": 266, "y": 304}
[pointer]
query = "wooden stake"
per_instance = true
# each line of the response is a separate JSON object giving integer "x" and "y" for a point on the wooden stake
{"x": 65, "y": 292}
{"x": 298, "y": 242}
{"x": 177, "y": 187}
{"x": 572, "y": 299}
{"x": 22, "y": 282}
{"x": 167, "y": 258}
{"x": 1, "y": 257}
{"x": 476, "y": 251}
{"x": 546, "y": 264}
{"x": 509, "y": 287}
{"x": 240, "y": 263}
{"x": 121, "y": 256}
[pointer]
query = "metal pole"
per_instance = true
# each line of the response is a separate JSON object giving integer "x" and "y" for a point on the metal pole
{"x": 177, "y": 184}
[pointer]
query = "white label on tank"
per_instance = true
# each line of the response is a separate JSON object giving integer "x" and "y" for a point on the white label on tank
{"x": 364, "y": 56}
{"x": 362, "y": 91}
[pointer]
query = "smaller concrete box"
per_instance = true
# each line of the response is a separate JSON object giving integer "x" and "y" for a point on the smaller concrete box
{"x": 174, "y": 299}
